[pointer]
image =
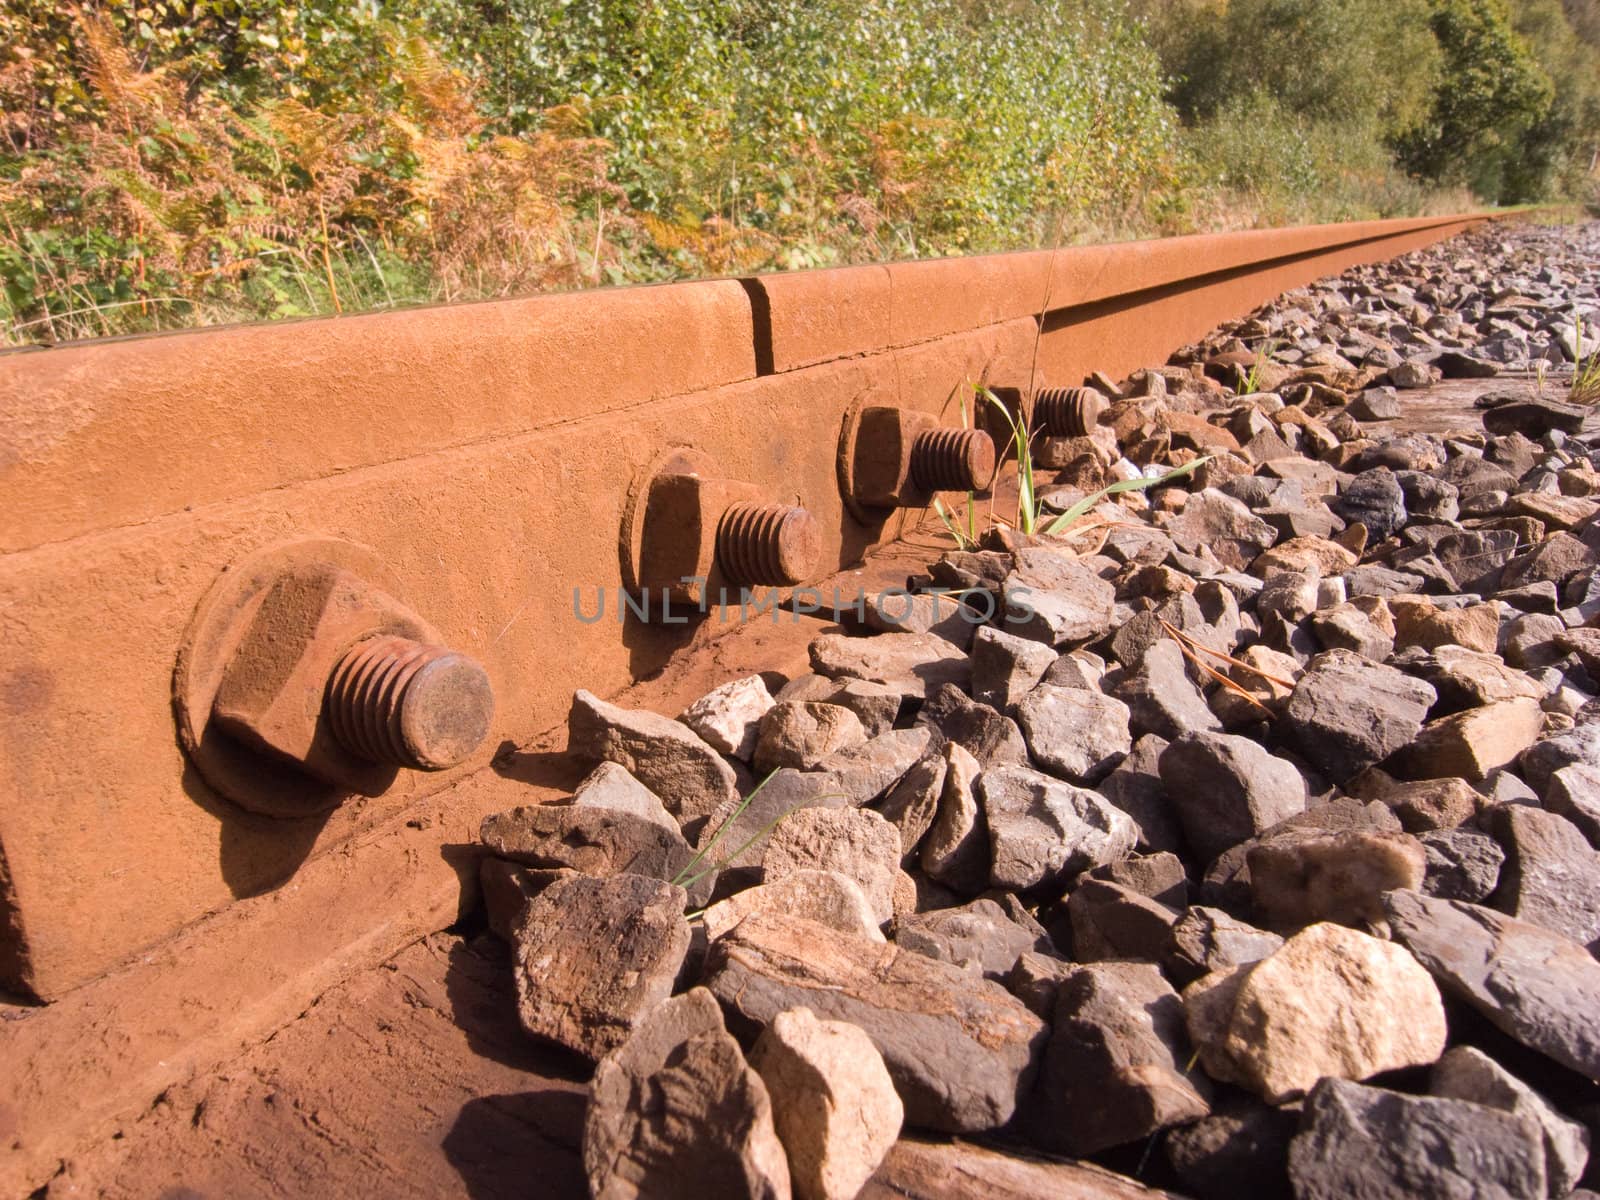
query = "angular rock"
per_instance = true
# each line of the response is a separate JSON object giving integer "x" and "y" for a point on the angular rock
{"x": 1534, "y": 416}
{"x": 800, "y": 734}
{"x": 826, "y": 897}
{"x": 1226, "y": 788}
{"x": 955, "y": 850}
{"x": 1419, "y": 623}
{"x": 897, "y": 611}
{"x": 1336, "y": 877}
{"x": 1330, "y": 1001}
{"x": 856, "y": 842}
{"x": 1222, "y": 525}
{"x": 994, "y": 740}
{"x": 1043, "y": 831}
{"x": 1358, "y": 626}
{"x": 1054, "y": 599}
{"x": 959, "y": 1049}
{"x": 1239, "y": 1150}
{"x": 677, "y": 1113}
{"x": 1304, "y": 554}
{"x": 728, "y": 718}
{"x": 596, "y": 841}
{"x": 1110, "y": 921}
{"x": 1382, "y": 1145}
{"x": 1072, "y": 732}
{"x": 1551, "y": 875}
{"x": 1347, "y": 713}
{"x": 1376, "y": 500}
{"x": 1429, "y": 804}
{"x": 1161, "y": 698}
{"x": 1135, "y": 787}
{"x": 1467, "y": 678}
{"x": 978, "y": 937}
{"x": 1466, "y": 1073}
{"x": 507, "y": 889}
{"x": 592, "y": 957}
{"x": 1574, "y": 793}
{"x": 1539, "y": 987}
{"x": 1114, "y": 1068}
{"x": 1204, "y": 940}
{"x": 1473, "y": 743}
{"x": 610, "y": 786}
{"x": 960, "y": 1170}
{"x": 833, "y": 1103}
{"x": 662, "y": 754}
{"x": 913, "y": 664}
{"x": 1463, "y": 864}
{"x": 1005, "y": 667}
{"x": 912, "y": 804}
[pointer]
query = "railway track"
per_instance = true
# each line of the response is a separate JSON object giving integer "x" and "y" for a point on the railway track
{"x": 196, "y": 525}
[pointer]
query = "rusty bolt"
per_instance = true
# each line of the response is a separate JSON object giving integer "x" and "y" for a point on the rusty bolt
{"x": 1068, "y": 412}
{"x": 900, "y": 458}
{"x": 395, "y": 701}
{"x": 952, "y": 460}
{"x": 701, "y": 532}
{"x": 347, "y": 683}
{"x": 768, "y": 545}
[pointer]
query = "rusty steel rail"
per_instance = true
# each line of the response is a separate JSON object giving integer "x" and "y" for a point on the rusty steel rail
{"x": 441, "y": 477}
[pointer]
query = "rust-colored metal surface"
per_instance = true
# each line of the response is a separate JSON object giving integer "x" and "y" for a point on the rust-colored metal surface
{"x": 477, "y": 463}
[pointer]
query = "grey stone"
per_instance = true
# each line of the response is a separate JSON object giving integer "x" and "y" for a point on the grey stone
{"x": 1375, "y": 499}
{"x": 978, "y": 937}
{"x": 1113, "y": 1071}
{"x": 1005, "y": 667}
{"x": 1463, "y": 864}
{"x": 690, "y": 777}
{"x": 1225, "y": 788}
{"x": 1539, "y": 987}
{"x": 610, "y": 786}
{"x": 1042, "y": 831}
{"x": 1135, "y": 787}
{"x": 1161, "y": 698}
{"x": 1382, "y": 1145}
{"x": 1551, "y": 875}
{"x": 994, "y": 740}
{"x": 1467, "y": 1073}
{"x": 1204, "y": 940}
{"x": 913, "y": 664}
{"x": 1072, "y": 732}
{"x": 1347, "y": 713}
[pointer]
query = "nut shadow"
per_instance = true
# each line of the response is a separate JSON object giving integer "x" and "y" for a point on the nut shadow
{"x": 257, "y": 854}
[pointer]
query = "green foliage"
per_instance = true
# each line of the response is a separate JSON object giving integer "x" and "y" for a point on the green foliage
{"x": 1358, "y": 65}
{"x": 170, "y": 162}
{"x": 1492, "y": 94}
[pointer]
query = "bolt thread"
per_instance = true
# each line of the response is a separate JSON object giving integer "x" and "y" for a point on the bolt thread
{"x": 1068, "y": 412}
{"x": 767, "y": 545}
{"x": 366, "y": 697}
{"x": 951, "y": 460}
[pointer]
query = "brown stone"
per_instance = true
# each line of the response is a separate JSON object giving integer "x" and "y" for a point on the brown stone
{"x": 677, "y": 1113}
{"x": 592, "y": 958}
{"x": 960, "y": 1049}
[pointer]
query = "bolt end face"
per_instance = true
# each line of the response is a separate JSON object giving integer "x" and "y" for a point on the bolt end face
{"x": 953, "y": 460}
{"x": 1069, "y": 412}
{"x": 768, "y": 545}
{"x": 446, "y": 713}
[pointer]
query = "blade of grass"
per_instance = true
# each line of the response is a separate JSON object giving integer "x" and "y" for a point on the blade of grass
{"x": 1123, "y": 485}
